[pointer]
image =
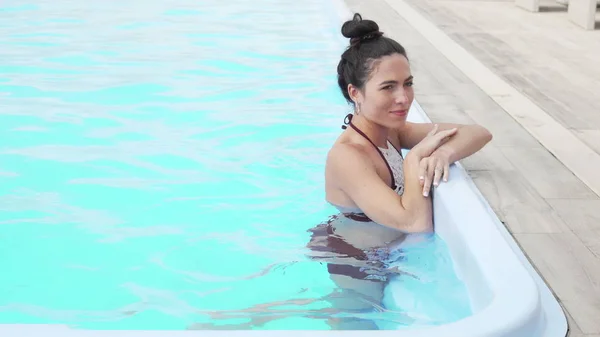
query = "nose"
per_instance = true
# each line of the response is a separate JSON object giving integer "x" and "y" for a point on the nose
{"x": 401, "y": 97}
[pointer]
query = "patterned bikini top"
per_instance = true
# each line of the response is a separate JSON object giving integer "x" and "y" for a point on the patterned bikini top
{"x": 391, "y": 156}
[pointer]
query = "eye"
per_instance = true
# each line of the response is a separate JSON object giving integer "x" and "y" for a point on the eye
{"x": 409, "y": 84}
{"x": 387, "y": 87}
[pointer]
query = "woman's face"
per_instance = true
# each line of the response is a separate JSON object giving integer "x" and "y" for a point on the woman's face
{"x": 388, "y": 92}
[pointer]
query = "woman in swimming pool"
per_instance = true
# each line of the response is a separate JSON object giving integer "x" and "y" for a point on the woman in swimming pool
{"x": 381, "y": 195}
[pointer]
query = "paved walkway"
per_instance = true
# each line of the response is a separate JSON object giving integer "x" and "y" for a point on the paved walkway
{"x": 533, "y": 79}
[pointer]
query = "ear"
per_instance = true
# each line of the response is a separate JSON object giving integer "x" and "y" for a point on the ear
{"x": 354, "y": 93}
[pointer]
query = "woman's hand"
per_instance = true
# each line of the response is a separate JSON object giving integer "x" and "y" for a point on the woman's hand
{"x": 432, "y": 169}
{"x": 432, "y": 141}
{"x": 433, "y": 163}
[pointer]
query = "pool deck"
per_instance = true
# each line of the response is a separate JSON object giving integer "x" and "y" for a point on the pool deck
{"x": 533, "y": 79}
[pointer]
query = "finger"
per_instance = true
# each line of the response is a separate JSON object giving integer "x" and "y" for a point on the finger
{"x": 437, "y": 175}
{"x": 433, "y": 131}
{"x": 427, "y": 187}
{"x": 428, "y": 179}
{"x": 447, "y": 133}
{"x": 443, "y": 136}
{"x": 446, "y": 171}
{"x": 423, "y": 170}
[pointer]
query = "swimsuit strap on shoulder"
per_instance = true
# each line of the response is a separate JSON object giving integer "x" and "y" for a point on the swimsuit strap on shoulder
{"x": 348, "y": 121}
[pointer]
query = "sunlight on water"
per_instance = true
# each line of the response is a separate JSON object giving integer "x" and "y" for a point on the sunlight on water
{"x": 162, "y": 161}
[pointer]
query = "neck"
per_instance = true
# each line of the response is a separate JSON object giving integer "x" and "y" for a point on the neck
{"x": 377, "y": 133}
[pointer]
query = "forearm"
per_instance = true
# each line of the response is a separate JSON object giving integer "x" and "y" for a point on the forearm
{"x": 467, "y": 140}
{"x": 418, "y": 206}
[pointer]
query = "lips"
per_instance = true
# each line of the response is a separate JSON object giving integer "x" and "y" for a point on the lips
{"x": 400, "y": 112}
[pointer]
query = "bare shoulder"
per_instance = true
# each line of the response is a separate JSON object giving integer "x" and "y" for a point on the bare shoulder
{"x": 341, "y": 154}
{"x": 349, "y": 165}
{"x": 352, "y": 180}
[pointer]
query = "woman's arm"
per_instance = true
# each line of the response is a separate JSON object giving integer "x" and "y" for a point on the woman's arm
{"x": 357, "y": 177}
{"x": 354, "y": 173}
{"x": 468, "y": 139}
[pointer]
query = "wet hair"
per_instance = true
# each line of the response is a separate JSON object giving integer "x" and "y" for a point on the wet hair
{"x": 367, "y": 45}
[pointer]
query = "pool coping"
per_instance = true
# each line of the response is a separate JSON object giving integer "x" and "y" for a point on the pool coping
{"x": 553, "y": 319}
{"x": 553, "y": 311}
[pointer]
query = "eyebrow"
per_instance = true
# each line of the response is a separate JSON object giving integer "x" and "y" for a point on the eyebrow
{"x": 410, "y": 78}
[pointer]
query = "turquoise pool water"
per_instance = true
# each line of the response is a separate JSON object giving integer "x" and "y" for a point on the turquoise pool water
{"x": 161, "y": 162}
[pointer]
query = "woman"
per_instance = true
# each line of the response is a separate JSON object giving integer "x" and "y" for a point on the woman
{"x": 381, "y": 195}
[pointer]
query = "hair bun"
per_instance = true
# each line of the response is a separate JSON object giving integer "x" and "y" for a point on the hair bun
{"x": 358, "y": 29}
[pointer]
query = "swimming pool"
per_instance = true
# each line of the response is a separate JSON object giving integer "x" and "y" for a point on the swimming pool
{"x": 162, "y": 162}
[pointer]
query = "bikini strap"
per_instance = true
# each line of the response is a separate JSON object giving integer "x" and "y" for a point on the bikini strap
{"x": 348, "y": 121}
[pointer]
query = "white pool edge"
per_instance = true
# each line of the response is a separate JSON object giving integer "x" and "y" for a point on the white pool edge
{"x": 542, "y": 312}
{"x": 515, "y": 292}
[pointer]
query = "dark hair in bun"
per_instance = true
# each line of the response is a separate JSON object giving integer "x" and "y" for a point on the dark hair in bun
{"x": 358, "y": 29}
{"x": 367, "y": 44}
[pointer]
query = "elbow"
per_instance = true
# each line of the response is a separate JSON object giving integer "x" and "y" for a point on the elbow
{"x": 422, "y": 226}
{"x": 415, "y": 225}
{"x": 486, "y": 135}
